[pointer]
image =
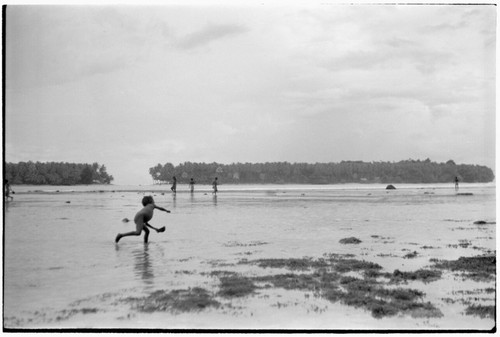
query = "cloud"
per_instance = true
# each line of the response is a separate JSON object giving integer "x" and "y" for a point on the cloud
{"x": 53, "y": 45}
{"x": 393, "y": 53}
{"x": 328, "y": 84}
{"x": 224, "y": 128}
{"x": 102, "y": 66}
{"x": 208, "y": 34}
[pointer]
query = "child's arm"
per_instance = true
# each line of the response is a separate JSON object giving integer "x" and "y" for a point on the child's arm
{"x": 162, "y": 209}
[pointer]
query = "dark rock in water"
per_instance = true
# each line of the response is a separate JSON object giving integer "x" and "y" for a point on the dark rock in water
{"x": 125, "y": 220}
{"x": 482, "y": 222}
{"x": 390, "y": 187}
{"x": 465, "y": 194}
{"x": 352, "y": 240}
{"x": 68, "y": 202}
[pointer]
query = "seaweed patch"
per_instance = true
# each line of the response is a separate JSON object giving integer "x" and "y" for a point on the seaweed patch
{"x": 483, "y": 311}
{"x": 291, "y": 281}
{"x": 235, "y": 286}
{"x": 423, "y": 275}
{"x": 361, "y": 293}
{"x": 411, "y": 255}
{"x": 337, "y": 278}
{"x": 65, "y": 314}
{"x": 249, "y": 244}
{"x": 476, "y": 267}
{"x": 328, "y": 280}
{"x": 293, "y": 264}
{"x": 183, "y": 300}
{"x": 220, "y": 273}
{"x": 347, "y": 265}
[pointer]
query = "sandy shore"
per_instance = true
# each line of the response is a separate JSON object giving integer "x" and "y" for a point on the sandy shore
{"x": 303, "y": 289}
{"x": 256, "y": 261}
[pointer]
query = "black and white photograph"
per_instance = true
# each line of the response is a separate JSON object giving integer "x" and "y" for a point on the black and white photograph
{"x": 249, "y": 166}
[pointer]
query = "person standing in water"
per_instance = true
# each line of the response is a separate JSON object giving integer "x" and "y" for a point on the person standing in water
{"x": 8, "y": 190}
{"x": 191, "y": 185}
{"x": 214, "y": 186}
{"x": 456, "y": 183}
{"x": 141, "y": 219}
{"x": 174, "y": 185}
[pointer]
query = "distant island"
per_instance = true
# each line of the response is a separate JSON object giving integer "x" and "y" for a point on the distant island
{"x": 406, "y": 171}
{"x": 53, "y": 173}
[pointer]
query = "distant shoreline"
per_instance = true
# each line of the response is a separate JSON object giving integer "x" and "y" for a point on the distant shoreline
{"x": 228, "y": 188}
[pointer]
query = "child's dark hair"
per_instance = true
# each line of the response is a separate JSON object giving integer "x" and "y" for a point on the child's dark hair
{"x": 147, "y": 200}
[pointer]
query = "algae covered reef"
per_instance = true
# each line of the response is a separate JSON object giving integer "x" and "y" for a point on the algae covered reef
{"x": 336, "y": 278}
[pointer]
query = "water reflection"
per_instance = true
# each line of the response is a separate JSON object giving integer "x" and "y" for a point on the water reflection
{"x": 174, "y": 196}
{"x": 214, "y": 199}
{"x": 142, "y": 265}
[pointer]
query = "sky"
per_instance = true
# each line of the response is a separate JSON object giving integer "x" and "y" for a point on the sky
{"x": 131, "y": 86}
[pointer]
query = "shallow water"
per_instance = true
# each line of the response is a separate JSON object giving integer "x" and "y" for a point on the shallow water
{"x": 63, "y": 269}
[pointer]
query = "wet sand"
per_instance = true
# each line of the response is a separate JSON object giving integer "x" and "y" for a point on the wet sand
{"x": 415, "y": 258}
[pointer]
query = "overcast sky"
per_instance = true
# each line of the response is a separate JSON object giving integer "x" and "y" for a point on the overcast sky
{"x": 133, "y": 86}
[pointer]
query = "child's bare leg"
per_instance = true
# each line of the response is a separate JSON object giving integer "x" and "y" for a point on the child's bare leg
{"x": 137, "y": 232}
{"x": 146, "y": 234}
{"x": 119, "y": 236}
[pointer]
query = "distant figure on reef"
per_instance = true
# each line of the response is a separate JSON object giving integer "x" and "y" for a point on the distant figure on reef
{"x": 8, "y": 190}
{"x": 191, "y": 185}
{"x": 141, "y": 219}
{"x": 174, "y": 185}
{"x": 214, "y": 186}
{"x": 456, "y": 183}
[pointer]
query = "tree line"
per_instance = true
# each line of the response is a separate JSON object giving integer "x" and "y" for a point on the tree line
{"x": 407, "y": 171}
{"x": 56, "y": 173}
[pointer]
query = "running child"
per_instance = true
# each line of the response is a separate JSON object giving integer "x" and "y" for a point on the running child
{"x": 141, "y": 219}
